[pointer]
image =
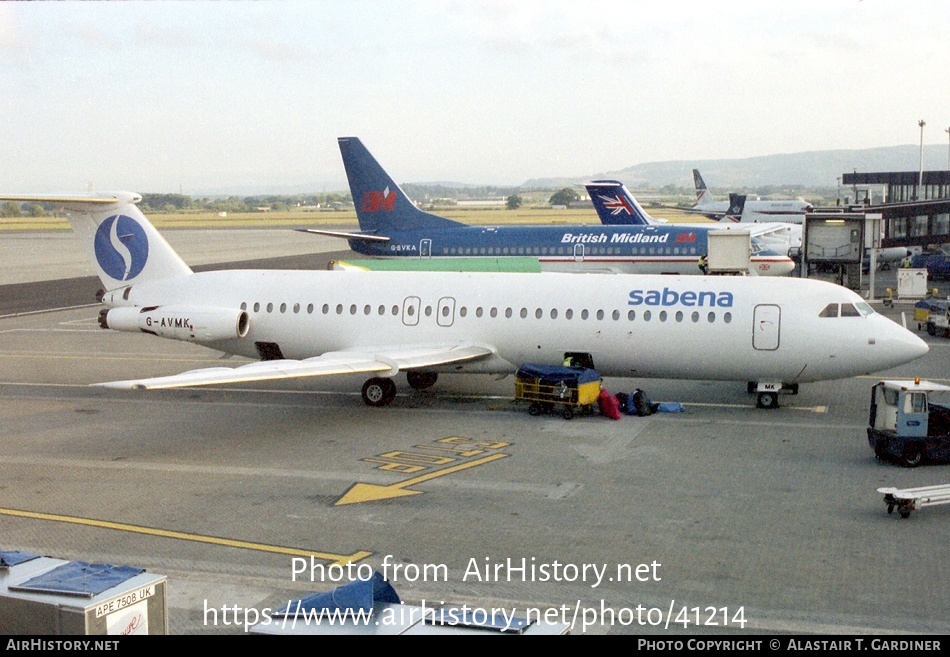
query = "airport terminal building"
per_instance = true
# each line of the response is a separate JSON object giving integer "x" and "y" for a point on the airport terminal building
{"x": 916, "y": 207}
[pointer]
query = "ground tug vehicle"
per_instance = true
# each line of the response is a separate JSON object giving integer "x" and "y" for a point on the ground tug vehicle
{"x": 910, "y": 421}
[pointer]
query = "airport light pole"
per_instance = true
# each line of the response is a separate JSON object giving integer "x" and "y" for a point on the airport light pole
{"x": 920, "y": 180}
{"x": 948, "y": 148}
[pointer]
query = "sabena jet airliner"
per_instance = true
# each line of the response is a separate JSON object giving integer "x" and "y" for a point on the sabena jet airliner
{"x": 776, "y": 331}
{"x": 391, "y": 226}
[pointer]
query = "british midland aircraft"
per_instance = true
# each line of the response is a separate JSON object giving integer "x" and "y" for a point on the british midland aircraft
{"x": 391, "y": 226}
{"x": 792, "y": 211}
{"x": 615, "y": 205}
{"x": 777, "y": 332}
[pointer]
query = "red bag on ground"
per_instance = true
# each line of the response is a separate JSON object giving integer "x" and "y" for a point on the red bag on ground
{"x": 608, "y": 404}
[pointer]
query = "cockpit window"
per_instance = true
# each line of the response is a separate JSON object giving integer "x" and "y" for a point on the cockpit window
{"x": 759, "y": 247}
{"x": 859, "y": 309}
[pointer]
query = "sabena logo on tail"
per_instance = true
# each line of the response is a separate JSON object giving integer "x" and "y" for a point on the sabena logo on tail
{"x": 121, "y": 247}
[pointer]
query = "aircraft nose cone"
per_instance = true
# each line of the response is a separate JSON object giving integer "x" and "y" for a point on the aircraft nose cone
{"x": 918, "y": 347}
{"x": 905, "y": 346}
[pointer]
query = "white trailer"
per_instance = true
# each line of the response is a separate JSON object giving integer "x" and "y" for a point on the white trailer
{"x": 906, "y": 500}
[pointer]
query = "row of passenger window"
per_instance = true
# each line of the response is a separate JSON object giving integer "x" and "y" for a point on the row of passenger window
{"x": 569, "y": 250}
{"x": 446, "y": 311}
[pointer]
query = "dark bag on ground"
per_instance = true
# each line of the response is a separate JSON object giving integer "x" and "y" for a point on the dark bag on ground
{"x": 641, "y": 404}
{"x": 623, "y": 399}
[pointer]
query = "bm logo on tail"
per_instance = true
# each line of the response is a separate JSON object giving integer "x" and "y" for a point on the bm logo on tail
{"x": 383, "y": 201}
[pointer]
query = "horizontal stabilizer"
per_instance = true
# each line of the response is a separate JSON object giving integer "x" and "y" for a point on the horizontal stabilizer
{"x": 60, "y": 198}
{"x": 363, "y": 237}
{"x": 88, "y": 202}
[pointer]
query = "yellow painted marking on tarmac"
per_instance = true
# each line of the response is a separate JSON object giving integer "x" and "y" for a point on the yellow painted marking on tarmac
{"x": 359, "y": 493}
{"x": 340, "y": 559}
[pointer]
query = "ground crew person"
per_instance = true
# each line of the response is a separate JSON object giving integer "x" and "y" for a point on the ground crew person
{"x": 703, "y": 264}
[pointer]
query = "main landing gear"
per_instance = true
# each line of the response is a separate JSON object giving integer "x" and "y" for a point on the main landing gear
{"x": 380, "y": 391}
{"x": 421, "y": 380}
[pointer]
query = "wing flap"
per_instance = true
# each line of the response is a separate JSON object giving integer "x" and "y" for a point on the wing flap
{"x": 389, "y": 360}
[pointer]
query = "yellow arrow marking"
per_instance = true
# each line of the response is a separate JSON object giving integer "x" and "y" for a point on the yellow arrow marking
{"x": 339, "y": 559}
{"x": 371, "y": 492}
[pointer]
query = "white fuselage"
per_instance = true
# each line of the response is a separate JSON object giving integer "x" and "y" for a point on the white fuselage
{"x": 792, "y": 212}
{"x": 743, "y": 328}
{"x": 760, "y": 265}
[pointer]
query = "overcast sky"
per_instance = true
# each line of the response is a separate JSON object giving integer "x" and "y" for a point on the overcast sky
{"x": 194, "y": 96}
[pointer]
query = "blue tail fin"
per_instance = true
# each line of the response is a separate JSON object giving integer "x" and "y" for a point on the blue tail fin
{"x": 736, "y": 208}
{"x": 615, "y": 204}
{"x": 381, "y": 205}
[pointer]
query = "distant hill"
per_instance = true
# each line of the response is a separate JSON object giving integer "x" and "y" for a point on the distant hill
{"x": 809, "y": 169}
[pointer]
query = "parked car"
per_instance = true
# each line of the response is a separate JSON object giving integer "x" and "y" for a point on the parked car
{"x": 937, "y": 263}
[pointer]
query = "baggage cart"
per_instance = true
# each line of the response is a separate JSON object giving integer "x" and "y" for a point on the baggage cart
{"x": 906, "y": 500}
{"x": 938, "y": 319}
{"x": 558, "y": 389}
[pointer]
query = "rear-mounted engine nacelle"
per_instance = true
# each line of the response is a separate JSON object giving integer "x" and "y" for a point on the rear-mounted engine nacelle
{"x": 189, "y": 323}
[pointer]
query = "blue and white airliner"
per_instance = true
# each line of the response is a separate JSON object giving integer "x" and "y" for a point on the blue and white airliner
{"x": 391, "y": 226}
{"x": 774, "y": 331}
{"x": 615, "y": 205}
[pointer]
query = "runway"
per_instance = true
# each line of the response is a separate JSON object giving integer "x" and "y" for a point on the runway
{"x": 721, "y": 519}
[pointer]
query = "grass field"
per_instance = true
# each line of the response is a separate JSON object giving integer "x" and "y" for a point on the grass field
{"x": 307, "y": 219}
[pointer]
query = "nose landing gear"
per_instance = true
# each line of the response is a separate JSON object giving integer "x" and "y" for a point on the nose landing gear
{"x": 767, "y": 393}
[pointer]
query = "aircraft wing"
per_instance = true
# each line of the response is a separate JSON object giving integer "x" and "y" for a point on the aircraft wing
{"x": 764, "y": 230}
{"x": 365, "y": 237}
{"x": 709, "y": 214}
{"x": 386, "y": 359}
